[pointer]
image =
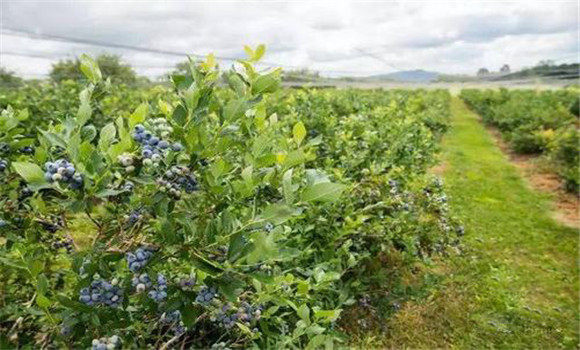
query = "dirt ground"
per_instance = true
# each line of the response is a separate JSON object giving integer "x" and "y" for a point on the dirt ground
{"x": 539, "y": 177}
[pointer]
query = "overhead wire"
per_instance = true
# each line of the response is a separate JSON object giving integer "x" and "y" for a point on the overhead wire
{"x": 59, "y": 38}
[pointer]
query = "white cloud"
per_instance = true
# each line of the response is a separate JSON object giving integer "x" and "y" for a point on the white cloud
{"x": 333, "y": 37}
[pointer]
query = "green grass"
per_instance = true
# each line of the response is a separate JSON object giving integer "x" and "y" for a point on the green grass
{"x": 516, "y": 284}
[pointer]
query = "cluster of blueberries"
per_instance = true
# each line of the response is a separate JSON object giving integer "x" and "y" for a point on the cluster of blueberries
{"x": 177, "y": 179}
{"x": 246, "y": 313}
{"x": 153, "y": 146}
{"x": 65, "y": 243}
{"x": 3, "y": 165}
{"x": 27, "y": 150}
{"x": 159, "y": 293}
{"x": 138, "y": 259}
{"x": 143, "y": 282}
{"x": 186, "y": 283}
{"x": 65, "y": 330}
{"x": 269, "y": 227}
{"x": 102, "y": 293}
{"x": 206, "y": 295}
{"x": 3, "y": 223}
{"x": 52, "y": 224}
{"x": 220, "y": 255}
{"x": 133, "y": 218}
{"x": 128, "y": 186}
{"x": 4, "y": 148}
{"x": 365, "y": 301}
{"x": 110, "y": 343}
{"x": 64, "y": 172}
{"x": 126, "y": 161}
{"x": 394, "y": 187}
{"x": 173, "y": 318}
{"x": 25, "y": 192}
{"x": 395, "y": 191}
{"x": 160, "y": 126}
{"x": 225, "y": 317}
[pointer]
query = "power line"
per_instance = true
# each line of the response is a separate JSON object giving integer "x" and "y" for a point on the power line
{"x": 51, "y": 37}
{"x": 378, "y": 58}
{"x": 51, "y": 58}
{"x": 31, "y": 55}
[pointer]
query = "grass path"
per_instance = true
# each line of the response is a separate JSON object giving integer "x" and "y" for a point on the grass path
{"x": 516, "y": 285}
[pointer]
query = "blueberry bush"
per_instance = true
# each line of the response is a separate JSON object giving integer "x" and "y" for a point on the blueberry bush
{"x": 225, "y": 212}
{"x": 540, "y": 122}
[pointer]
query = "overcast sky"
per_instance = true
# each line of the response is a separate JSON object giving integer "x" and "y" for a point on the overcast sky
{"x": 333, "y": 37}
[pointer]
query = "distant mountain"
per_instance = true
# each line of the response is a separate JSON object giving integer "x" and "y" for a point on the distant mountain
{"x": 417, "y": 75}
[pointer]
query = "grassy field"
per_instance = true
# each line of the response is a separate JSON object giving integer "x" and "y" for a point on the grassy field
{"x": 516, "y": 284}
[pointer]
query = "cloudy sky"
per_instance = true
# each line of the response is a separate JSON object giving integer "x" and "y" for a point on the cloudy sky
{"x": 333, "y": 37}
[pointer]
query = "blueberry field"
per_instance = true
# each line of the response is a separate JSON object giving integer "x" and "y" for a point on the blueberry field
{"x": 225, "y": 211}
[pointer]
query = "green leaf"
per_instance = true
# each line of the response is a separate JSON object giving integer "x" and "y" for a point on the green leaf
{"x": 264, "y": 247}
{"x": 294, "y": 158}
{"x": 53, "y": 139}
{"x": 323, "y": 192}
{"x": 249, "y": 51}
{"x": 88, "y": 133}
{"x": 304, "y": 313}
{"x": 30, "y": 172}
{"x": 90, "y": 69}
{"x": 107, "y": 136}
{"x": 327, "y": 316}
{"x": 299, "y": 132}
{"x": 73, "y": 147}
{"x": 108, "y": 192}
{"x": 314, "y": 176}
{"x": 205, "y": 266}
{"x": 259, "y": 53}
{"x": 316, "y": 342}
{"x": 42, "y": 284}
{"x": 237, "y": 84}
{"x": 138, "y": 116}
{"x": 302, "y": 287}
{"x": 179, "y": 115}
{"x": 23, "y": 115}
{"x": 235, "y": 109}
{"x": 247, "y": 175}
{"x": 287, "y": 187}
{"x": 190, "y": 313}
{"x": 277, "y": 214}
{"x": 43, "y": 301}
{"x": 229, "y": 286}
{"x": 35, "y": 266}
{"x": 266, "y": 83}
{"x": 84, "y": 112}
{"x": 75, "y": 305}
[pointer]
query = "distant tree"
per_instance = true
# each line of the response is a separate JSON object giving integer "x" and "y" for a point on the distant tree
{"x": 181, "y": 68}
{"x": 546, "y": 63}
{"x": 300, "y": 75}
{"x": 481, "y": 72}
{"x": 9, "y": 78}
{"x": 505, "y": 68}
{"x": 111, "y": 67}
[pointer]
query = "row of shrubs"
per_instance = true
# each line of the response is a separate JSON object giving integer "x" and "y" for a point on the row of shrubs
{"x": 535, "y": 122}
{"x": 213, "y": 217}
